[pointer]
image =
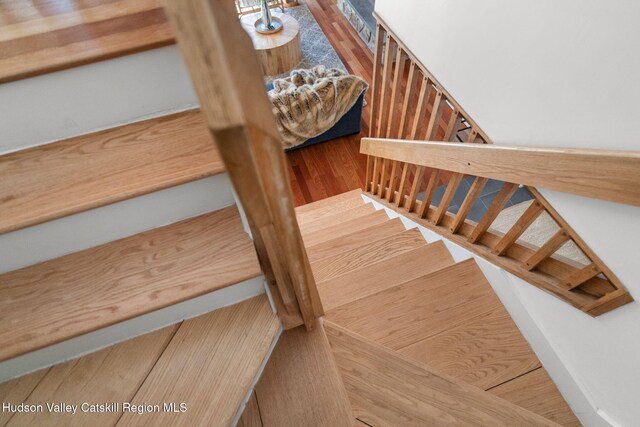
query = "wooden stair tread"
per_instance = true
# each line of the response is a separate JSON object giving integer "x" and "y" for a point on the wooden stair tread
{"x": 70, "y": 176}
{"x": 251, "y": 414}
{"x": 413, "y": 311}
{"x": 386, "y": 388}
{"x": 347, "y": 227}
{"x": 59, "y": 299}
{"x": 483, "y": 351}
{"x": 367, "y": 255}
{"x": 301, "y": 385}
{"x": 536, "y": 392}
{"x": 354, "y": 240}
{"x": 358, "y": 284}
{"x": 331, "y": 220}
{"x": 211, "y": 364}
{"x": 312, "y": 211}
{"x": 113, "y": 374}
{"x": 42, "y": 36}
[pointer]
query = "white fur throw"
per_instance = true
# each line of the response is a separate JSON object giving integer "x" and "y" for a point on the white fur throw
{"x": 310, "y": 102}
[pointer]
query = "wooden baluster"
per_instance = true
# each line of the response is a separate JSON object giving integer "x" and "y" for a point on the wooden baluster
{"x": 546, "y": 250}
{"x": 452, "y": 187}
{"x": 579, "y": 277}
{"x": 474, "y": 192}
{"x": 383, "y": 176}
{"x": 375, "y": 85}
{"x": 383, "y": 114}
{"x": 472, "y": 136}
{"x": 439, "y": 104}
{"x": 452, "y": 127}
{"x": 415, "y": 189}
{"x": 516, "y": 230}
{"x": 374, "y": 177}
{"x": 393, "y": 177}
{"x": 394, "y": 114}
{"x": 399, "y": 199}
{"x": 423, "y": 101}
{"x": 434, "y": 179}
{"x": 408, "y": 106}
{"x": 368, "y": 176}
{"x": 498, "y": 203}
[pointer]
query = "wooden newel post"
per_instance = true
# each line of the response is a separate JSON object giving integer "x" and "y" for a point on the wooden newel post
{"x": 230, "y": 86}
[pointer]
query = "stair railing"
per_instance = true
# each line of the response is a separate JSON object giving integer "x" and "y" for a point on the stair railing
{"x": 409, "y": 104}
{"x": 230, "y": 86}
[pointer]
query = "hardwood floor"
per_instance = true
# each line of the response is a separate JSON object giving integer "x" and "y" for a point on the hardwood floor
{"x": 336, "y": 166}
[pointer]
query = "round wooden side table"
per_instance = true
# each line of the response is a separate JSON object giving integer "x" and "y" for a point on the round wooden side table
{"x": 278, "y": 52}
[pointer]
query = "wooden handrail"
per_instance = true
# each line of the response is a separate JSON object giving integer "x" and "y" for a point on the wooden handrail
{"x": 241, "y": 123}
{"x": 602, "y": 174}
{"x": 404, "y": 174}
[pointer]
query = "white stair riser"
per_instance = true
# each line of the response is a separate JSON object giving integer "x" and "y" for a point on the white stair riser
{"x": 128, "y": 329}
{"x": 93, "y": 97}
{"x": 84, "y": 230}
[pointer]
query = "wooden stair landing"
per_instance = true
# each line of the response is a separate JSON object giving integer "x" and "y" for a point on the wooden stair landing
{"x": 42, "y": 36}
{"x": 395, "y": 289}
{"x": 388, "y": 389}
{"x": 209, "y": 362}
{"x": 78, "y": 293}
{"x": 74, "y": 175}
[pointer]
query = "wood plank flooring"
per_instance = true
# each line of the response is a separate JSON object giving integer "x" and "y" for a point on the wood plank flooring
{"x": 110, "y": 375}
{"x": 536, "y": 392}
{"x": 42, "y": 36}
{"x": 484, "y": 351}
{"x": 386, "y": 388}
{"x": 78, "y": 293}
{"x": 208, "y": 362}
{"x": 59, "y": 179}
{"x": 403, "y": 314}
{"x": 300, "y": 385}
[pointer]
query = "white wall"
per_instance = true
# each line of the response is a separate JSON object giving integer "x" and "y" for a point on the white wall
{"x": 97, "y": 96}
{"x": 551, "y": 73}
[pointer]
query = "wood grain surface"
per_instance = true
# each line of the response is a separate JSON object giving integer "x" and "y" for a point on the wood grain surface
{"x": 251, "y": 414}
{"x": 110, "y": 375}
{"x": 386, "y": 388}
{"x": 484, "y": 351}
{"x": 412, "y": 311}
{"x": 569, "y": 170}
{"x": 301, "y": 385}
{"x": 51, "y": 181}
{"x": 385, "y": 274}
{"x": 42, "y": 36}
{"x": 368, "y": 254}
{"x": 536, "y": 392}
{"x": 78, "y": 293}
{"x": 346, "y": 227}
{"x": 354, "y": 240}
{"x": 210, "y": 364}
{"x": 330, "y": 220}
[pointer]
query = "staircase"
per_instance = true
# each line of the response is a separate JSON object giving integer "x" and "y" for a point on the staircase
{"x": 152, "y": 267}
{"x": 413, "y": 330}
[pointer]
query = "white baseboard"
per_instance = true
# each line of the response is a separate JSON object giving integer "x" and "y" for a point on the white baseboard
{"x": 131, "y": 328}
{"x": 84, "y": 230}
